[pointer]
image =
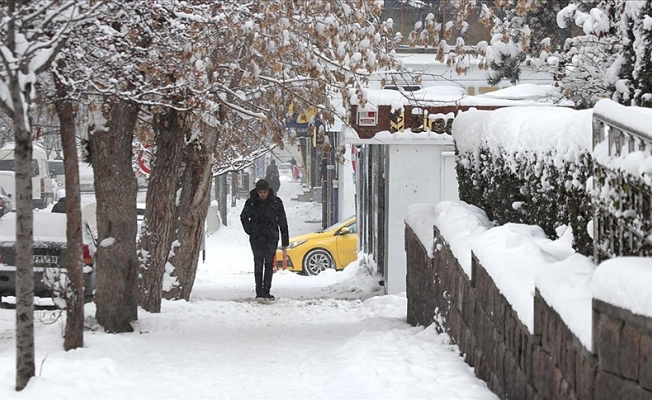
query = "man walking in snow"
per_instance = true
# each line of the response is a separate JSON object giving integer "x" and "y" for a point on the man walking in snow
{"x": 262, "y": 217}
{"x": 272, "y": 176}
{"x": 60, "y": 206}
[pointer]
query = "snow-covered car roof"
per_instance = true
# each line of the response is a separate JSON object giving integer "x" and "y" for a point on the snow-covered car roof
{"x": 48, "y": 227}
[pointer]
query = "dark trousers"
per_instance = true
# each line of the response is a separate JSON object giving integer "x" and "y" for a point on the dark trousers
{"x": 264, "y": 259}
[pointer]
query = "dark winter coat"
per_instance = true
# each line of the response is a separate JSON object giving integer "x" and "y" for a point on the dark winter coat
{"x": 272, "y": 170}
{"x": 60, "y": 207}
{"x": 273, "y": 178}
{"x": 263, "y": 219}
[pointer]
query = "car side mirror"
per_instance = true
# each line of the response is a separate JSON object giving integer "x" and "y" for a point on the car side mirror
{"x": 344, "y": 231}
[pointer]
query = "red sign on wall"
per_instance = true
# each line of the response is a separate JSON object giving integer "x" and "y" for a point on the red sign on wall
{"x": 367, "y": 118}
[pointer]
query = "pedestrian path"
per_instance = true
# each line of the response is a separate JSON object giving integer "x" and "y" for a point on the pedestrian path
{"x": 331, "y": 336}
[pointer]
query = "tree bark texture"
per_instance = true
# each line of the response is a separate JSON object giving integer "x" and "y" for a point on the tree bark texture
{"x": 159, "y": 222}
{"x": 116, "y": 292}
{"x": 234, "y": 187}
{"x": 193, "y": 208}
{"x": 25, "y": 367}
{"x": 221, "y": 200}
{"x": 74, "y": 336}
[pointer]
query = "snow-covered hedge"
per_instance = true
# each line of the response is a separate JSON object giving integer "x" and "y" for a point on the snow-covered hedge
{"x": 528, "y": 165}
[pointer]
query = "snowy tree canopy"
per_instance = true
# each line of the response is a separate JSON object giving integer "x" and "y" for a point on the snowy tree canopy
{"x": 235, "y": 66}
{"x": 592, "y": 48}
{"x": 31, "y": 34}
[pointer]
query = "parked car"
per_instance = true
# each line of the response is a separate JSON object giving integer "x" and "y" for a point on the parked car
{"x": 312, "y": 253}
{"x": 6, "y": 204}
{"x": 8, "y": 182}
{"x": 57, "y": 172}
{"x": 86, "y": 178}
{"x": 42, "y": 187}
{"x": 140, "y": 211}
{"x": 49, "y": 253}
{"x": 142, "y": 180}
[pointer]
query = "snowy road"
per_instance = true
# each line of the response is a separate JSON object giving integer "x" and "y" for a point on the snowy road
{"x": 326, "y": 337}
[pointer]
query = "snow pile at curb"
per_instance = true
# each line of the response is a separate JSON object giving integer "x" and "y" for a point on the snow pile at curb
{"x": 358, "y": 280}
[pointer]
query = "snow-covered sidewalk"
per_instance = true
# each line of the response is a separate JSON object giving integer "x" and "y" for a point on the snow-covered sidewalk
{"x": 326, "y": 337}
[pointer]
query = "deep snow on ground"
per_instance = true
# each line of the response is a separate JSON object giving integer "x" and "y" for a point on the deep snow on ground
{"x": 333, "y": 336}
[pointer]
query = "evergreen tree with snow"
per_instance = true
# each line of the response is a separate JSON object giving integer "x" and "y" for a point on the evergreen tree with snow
{"x": 509, "y": 45}
{"x": 621, "y": 72}
{"x": 542, "y": 21}
{"x": 642, "y": 75}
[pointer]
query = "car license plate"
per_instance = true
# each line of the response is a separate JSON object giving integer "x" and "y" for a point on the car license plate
{"x": 45, "y": 259}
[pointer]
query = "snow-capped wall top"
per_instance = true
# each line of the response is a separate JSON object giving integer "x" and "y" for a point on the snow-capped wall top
{"x": 526, "y": 94}
{"x": 625, "y": 282}
{"x": 535, "y": 130}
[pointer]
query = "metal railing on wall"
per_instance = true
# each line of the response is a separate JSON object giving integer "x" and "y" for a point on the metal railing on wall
{"x": 622, "y": 201}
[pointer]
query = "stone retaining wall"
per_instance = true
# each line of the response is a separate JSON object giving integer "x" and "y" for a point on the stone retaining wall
{"x": 623, "y": 345}
{"x": 549, "y": 363}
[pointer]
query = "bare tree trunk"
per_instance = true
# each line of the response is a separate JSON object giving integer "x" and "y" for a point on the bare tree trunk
{"x": 24, "y": 252}
{"x": 74, "y": 255}
{"x": 160, "y": 221}
{"x": 23, "y": 58}
{"x": 17, "y": 107}
{"x": 221, "y": 200}
{"x": 24, "y": 239}
{"x": 116, "y": 189}
{"x": 193, "y": 204}
{"x": 234, "y": 187}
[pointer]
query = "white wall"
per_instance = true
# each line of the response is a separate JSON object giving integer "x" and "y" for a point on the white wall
{"x": 346, "y": 185}
{"x": 418, "y": 173}
{"x": 448, "y": 175}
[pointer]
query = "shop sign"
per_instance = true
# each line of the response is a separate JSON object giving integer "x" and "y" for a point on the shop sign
{"x": 367, "y": 118}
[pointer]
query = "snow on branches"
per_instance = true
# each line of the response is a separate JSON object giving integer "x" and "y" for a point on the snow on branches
{"x": 592, "y": 49}
{"x": 31, "y": 35}
{"x": 234, "y": 65}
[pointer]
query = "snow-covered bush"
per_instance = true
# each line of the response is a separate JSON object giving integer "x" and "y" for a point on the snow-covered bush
{"x": 528, "y": 165}
{"x": 537, "y": 192}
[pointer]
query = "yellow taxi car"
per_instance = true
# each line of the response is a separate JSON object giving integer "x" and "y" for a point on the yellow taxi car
{"x": 312, "y": 253}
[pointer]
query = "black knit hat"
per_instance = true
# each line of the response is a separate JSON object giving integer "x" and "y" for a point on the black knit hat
{"x": 262, "y": 185}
